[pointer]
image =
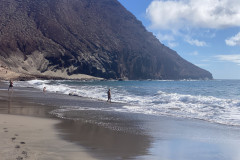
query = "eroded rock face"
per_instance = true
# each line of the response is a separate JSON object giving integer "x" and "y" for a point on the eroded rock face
{"x": 95, "y": 37}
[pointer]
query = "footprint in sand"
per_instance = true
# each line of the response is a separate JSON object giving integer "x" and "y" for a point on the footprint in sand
{"x": 25, "y": 153}
{"x": 17, "y": 146}
{"x": 19, "y": 158}
{"x": 5, "y": 130}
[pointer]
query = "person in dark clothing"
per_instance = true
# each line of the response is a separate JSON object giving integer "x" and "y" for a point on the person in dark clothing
{"x": 10, "y": 85}
{"x": 109, "y": 95}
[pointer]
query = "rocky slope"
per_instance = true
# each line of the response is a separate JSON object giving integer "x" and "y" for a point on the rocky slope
{"x": 93, "y": 37}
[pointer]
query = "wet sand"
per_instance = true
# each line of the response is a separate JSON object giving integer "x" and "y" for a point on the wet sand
{"x": 107, "y": 135}
{"x": 34, "y": 138}
{"x": 94, "y": 140}
{"x": 27, "y": 131}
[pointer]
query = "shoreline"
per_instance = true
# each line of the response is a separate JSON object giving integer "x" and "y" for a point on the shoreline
{"x": 29, "y": 132}
{"x": 115, "y": 135}
{"x": 34, "y": 103}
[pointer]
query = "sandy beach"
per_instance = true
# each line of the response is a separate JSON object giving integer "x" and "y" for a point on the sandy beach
{"x": 29, "y": 129}
{"x": 7, "y": 74}
{"x": 34, "y": 138}
{"x": 67, "y": 139}
{"x": 25, "y": 134}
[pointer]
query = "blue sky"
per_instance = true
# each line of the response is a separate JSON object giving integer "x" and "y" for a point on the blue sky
{"x": 204, "y": 32}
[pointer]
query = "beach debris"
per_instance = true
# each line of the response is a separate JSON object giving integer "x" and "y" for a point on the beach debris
{"x": 16, "y": 134}
{"x": 13, "y": 138}
{"x": 22, "y": 143}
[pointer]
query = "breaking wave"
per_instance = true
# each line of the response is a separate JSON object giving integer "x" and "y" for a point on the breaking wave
{"x": 209, "y": 108}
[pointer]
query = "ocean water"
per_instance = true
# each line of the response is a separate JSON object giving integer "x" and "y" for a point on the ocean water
{"x": 215, "y": 101}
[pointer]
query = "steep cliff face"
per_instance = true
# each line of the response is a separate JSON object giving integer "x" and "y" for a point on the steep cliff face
{"x": 94, "y": 37}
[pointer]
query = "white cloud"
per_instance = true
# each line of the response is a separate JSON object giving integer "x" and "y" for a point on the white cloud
{"x": 172, "y": 44}
{"x": 206, "y": 60}
{"x": 233, "y": 41}
{"x": 202, "y": 65}
{"x": 195, "y": 53}
{"x": 172, "y": 14}
{"x": 167, "y": 38}
{"x": 195, "y": 42}
{"x": 234, "y": 58}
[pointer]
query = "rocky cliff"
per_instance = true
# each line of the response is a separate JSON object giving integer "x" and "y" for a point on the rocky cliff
{"x": 94, "y": 37}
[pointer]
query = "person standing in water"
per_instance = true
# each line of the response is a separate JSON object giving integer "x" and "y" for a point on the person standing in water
{"x": 10, "y": 85}
{"x": 109, "y": 95}
{"x": 44, "y": 90}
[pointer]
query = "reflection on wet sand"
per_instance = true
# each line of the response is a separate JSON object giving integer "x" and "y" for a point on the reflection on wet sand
{"x": 105, "y": 143}
{"x": 16, "y": 107}
{"x": 37, "y": 111}
{"x": 9, "y": 105}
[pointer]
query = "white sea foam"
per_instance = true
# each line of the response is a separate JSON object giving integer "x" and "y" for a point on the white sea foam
{"x": 209, "y": 108}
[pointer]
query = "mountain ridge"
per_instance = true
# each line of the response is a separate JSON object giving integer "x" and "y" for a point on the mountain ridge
{"x": 92, "y": 37}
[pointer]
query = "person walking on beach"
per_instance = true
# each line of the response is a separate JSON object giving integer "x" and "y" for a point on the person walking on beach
{"x": 10, "y": 85}
{"x": 109, "y": 95}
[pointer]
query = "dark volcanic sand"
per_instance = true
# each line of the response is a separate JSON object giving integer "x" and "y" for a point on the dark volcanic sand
{"x": 116, "y": 135}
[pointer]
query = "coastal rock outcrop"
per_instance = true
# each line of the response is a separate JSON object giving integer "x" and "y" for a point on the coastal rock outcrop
{"x": 100, "y": 38}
